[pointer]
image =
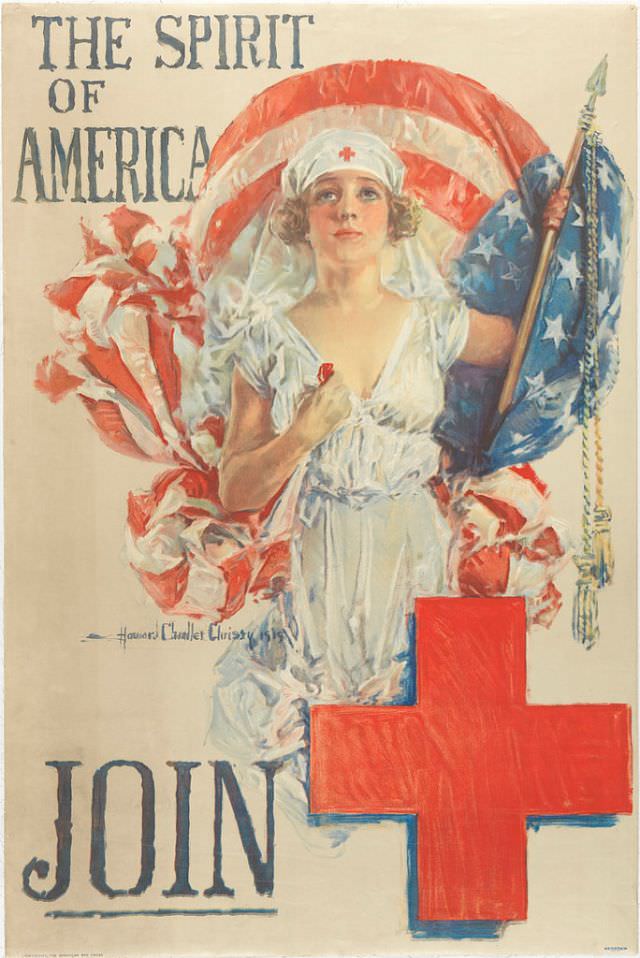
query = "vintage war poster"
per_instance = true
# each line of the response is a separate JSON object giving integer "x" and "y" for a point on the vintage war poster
{"x": 320, "y": 477}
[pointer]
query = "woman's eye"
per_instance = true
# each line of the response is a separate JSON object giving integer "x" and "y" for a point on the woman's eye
{"x": 369, "y": 193}
{"x": 325, "y": 196}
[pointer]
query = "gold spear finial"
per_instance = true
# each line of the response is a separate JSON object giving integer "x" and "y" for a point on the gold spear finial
{"x": 597, "y": 82}
{"x": 596, "y": 86}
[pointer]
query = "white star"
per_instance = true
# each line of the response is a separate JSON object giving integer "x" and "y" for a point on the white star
{"x": 514, "y": 274}
{"x": 485, "y": 248}
{"x": 554, "y": 330}
{"x": 466, "y": 284}
{"x": 604, "y": 176}
{"x": 535, "y": 383}
{"x": 549, "y": 170}
{"x": 579, "y": 220}
{"x": 610, "y": 250}
{"x": 511, "y": 211}
{"x": 548, "y": 396}
{"x": 570, "y": 270}
{"x": 528, "y": 233}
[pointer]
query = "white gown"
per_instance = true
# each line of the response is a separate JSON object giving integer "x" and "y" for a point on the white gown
{"x": 366, "y": 539}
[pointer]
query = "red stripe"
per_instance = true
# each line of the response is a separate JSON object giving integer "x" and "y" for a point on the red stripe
{"x": 546, "y": 543}
{"x": 275, "y": 569}
{"x": 108, "y": 366}
{"x": 167, "y": 588}
{"x": 53, "y": 379}
{"x": 111, "y": 427}
{"x": 140, "y": 508}
{"x": 215, "y": 426}
{"x": 164, "y": 359}
{"x": 126, "y": 224}
{"x": 525, "y": 471}
{"x": 67, "y": 294}
{"x": 93, "y": 247}
{"x": 443, "y": 191}
{"x": 237, "y": 571}
{"x": 446, "y": 96}
{"x": 486, "y": 572}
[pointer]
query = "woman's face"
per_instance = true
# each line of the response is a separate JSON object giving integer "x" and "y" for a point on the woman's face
{"x": 348, "y": 214}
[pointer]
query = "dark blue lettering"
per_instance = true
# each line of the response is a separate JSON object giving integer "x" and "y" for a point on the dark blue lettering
{"x": 63, "y": 835}
{"x": 261, "y": 868}
{"x": 97, "y": 864}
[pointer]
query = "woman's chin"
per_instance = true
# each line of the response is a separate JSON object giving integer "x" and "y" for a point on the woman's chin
{"x": 352, "y": 252}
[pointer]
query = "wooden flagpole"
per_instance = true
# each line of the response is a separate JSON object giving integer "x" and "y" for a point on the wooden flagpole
{"x": 596, "y": 86}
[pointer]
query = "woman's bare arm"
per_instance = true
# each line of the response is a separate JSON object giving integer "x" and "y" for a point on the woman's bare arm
{"x": 490, "y": 340}
{"x": 255, "y": 462}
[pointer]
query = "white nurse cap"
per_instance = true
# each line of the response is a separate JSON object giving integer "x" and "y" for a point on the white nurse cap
{"x": 336, "y": 150}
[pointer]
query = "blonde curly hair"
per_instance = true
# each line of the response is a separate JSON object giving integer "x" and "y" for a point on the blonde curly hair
{"x": 290, "y": 222}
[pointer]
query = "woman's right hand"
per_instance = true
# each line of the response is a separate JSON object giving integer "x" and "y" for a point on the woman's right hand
{"x": 321, "y": 410}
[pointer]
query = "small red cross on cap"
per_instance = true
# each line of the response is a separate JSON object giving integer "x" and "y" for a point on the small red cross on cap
{"x": 346, "y": 153}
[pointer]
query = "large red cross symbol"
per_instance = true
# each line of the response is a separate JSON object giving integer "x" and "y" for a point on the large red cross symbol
{"x": 347, "y": 154}
{"x": 471, "y": 759}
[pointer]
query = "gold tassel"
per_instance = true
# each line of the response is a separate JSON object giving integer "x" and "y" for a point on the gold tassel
{"x": 603, "y": 559}
{"x": 602, "y": 544}
{"x": 585, "y": 603}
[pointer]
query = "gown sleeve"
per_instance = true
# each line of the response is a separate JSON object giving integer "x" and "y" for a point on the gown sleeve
{"x": 232, "y": 340}
{"x": 253, "y": 355}
{"x": 450, "y": 325}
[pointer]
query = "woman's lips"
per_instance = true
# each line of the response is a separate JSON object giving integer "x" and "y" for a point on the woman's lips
{"x": 347, "y": 234}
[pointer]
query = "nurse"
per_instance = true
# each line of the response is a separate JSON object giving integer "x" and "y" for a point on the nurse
{"x": 333, "y": 402}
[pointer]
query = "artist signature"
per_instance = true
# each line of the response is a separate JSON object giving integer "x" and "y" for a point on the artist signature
{"x": 186, "y": 632}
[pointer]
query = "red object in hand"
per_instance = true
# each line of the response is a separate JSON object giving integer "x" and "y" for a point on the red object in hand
{"x": 440, "y": 490}
{"x": 325, "y": 372}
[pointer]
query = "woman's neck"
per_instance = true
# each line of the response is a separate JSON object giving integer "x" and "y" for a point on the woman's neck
{"x": 347, "y": 287}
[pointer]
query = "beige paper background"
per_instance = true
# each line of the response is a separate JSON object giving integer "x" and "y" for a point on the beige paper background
{"x": 67, "y": 573}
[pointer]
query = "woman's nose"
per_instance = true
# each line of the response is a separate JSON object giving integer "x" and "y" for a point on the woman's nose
{"x": 347, "y": 208}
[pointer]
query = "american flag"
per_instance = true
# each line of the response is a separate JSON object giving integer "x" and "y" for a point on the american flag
{"x": 494, "y": 274}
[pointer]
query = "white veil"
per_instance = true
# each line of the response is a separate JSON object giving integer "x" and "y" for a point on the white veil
{"x": 260, "y": 274}
{"x": 261, "y": 269}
